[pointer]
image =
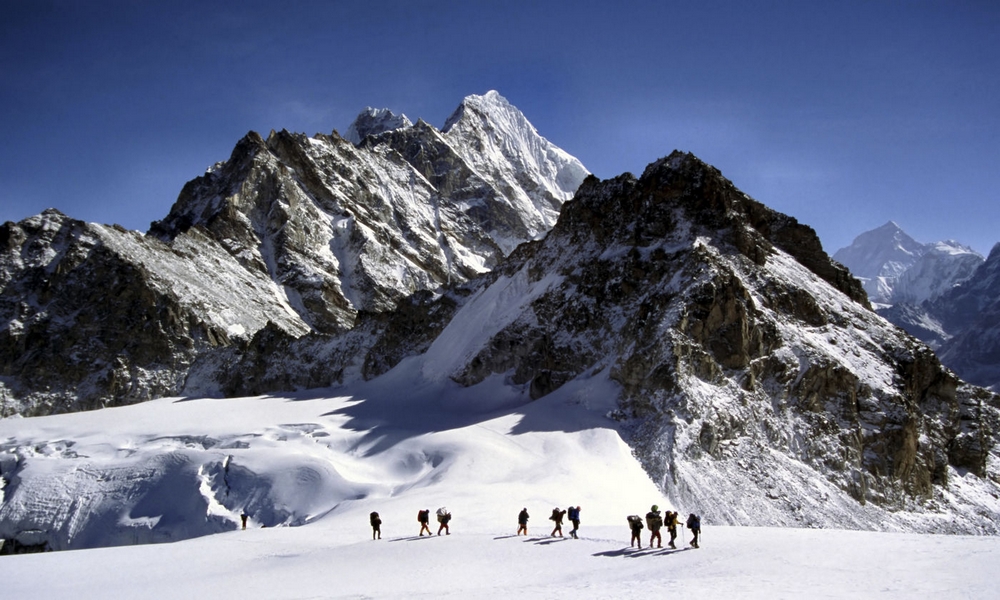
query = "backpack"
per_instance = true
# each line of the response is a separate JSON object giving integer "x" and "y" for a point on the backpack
{"x": 574, "y": 515}
{"x": 557, "y": 515}
{"x": 694, "y": 522}
{"x": 423, "y": 516}
{"x": 635, "y": 522}
{"x": 375, "y": 520}
{"x": 654, "y": 521}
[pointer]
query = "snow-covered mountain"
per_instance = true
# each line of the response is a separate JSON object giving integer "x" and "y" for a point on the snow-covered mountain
{"x": 669, "y": 338}
{"x": 894, "y": 268}
{"x": 942, "y": 266}
{"x": 292, "y": 234}
{"x": 674, "y": 336}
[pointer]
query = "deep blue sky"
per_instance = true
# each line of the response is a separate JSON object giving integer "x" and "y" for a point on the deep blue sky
{"x": 843, "y": 114}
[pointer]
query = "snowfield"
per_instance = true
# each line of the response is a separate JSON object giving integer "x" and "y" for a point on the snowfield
{"x": 308, "y": 468}
{"x": 337, "y": 559}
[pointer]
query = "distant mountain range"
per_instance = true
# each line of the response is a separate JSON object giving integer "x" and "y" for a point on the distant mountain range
{"x": 943, "y": 293}
{"x": 743, "y": 366}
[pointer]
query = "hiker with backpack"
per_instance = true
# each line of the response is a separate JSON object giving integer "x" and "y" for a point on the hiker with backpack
{"x": 654, "y": 521}
{"x": 444, "y": 517}
{"x": 671, "y": 523}
{"x": 424, "y": 517}
{"x": 557, "y": 518}
{"x": 694, "y": 524}
{"x": 574, "y": 517}
{"x": 522, "y": 521}
{"x": 376, "y": 522}
{"x": 635, "y": 525}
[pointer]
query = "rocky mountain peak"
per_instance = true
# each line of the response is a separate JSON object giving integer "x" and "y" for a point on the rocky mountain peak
{"x": 373, "y": 121}
{"x": 682, "y": 181}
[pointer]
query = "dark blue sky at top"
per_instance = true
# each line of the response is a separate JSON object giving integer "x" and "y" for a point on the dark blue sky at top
{"x": 842, "y": 114}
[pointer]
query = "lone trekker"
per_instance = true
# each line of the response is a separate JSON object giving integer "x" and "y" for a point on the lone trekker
{"x": 444, "y": 517}
{"x": 557, "y": 518}
{"x": 424, "y": 517}
{"x": 635, "y": 525}
{"x": 573, "y": 513}
{"x": 376, "y": 522}
{"x": 694, "y": 524}
{"x": 522, "y": 521}
{"x": 654, "y": 521}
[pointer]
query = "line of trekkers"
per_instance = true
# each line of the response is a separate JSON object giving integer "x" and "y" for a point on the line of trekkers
{"x": 572, "y": 513}
{"x": 423, "y": 517}
{"x": 654, "y": 521}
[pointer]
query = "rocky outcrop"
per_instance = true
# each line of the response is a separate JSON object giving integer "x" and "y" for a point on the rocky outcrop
{"x": 98, "y": 316}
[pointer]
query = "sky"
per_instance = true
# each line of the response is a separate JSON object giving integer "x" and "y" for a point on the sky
{"x": 843, "y": 114}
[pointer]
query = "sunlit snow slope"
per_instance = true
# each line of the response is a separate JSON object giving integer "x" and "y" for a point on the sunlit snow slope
{"x": 176, "y": 468}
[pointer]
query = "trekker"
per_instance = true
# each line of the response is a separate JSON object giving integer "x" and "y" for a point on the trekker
{"x": 424, "y": 517}
{"x": 694, "y": 524}
{"x": 654, "y": 521}
{"x": 443, "y": 517}
{"x": 522, "y": 521}
{"x": 635, "y": 524}
{"x": 574, "y": 517}
{"x": 557, "y": 517}
{"x": 376, "y": 525}
{"x": 243, "y": 517}
{"x": 671, "y": 523}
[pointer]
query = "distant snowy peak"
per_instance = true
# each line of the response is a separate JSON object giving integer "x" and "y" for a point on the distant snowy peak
{"x": 373, "y": 121}
{"x": 896, "y": 268}
{"x": 886, "y": 251}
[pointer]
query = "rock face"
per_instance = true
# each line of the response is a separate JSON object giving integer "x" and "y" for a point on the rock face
{"x": 373, "y": 121}
{"x": 743, "y": 353}
{"x": 970, "y": 312}
{"x": 97, "y": 316}
{"x": 292, "y": 235}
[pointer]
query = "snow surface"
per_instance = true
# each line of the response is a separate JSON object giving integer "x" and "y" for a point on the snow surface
{"x": 315, "y": 562}
{"x": 308, "y": 468}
